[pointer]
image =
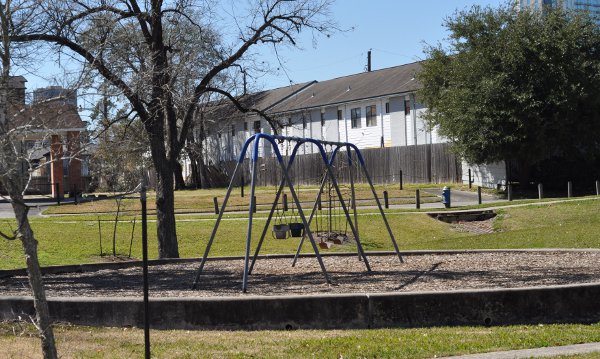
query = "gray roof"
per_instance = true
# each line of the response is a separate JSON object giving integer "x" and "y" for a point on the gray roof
{"x": 262, "y": 100}
{"x": 366, "y": 85}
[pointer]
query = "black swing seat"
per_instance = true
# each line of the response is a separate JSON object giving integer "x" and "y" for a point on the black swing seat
{"x": 296, "y": 229}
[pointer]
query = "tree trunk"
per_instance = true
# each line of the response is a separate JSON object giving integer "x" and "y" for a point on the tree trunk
{"x": 165, "y": 211}
{"x": 42, "y": 313}
{"x": 178, "y": 173}
{"x": 195, "y": 181}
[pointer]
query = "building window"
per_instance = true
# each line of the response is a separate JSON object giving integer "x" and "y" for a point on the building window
{"x": 387, "y": 107}
{"x": 257, "y": 126}
{"x": 245, "y": 126}
{"x": 303, "y": 122}
{"x": 371, "y": 112}
{"x": 66, "y": 167}
{"x": 355, "y": 117}
{"x": 407, "y": 107}
{"x": 322, "y": 119}
{"x": 339, "y": 115}
{"x": 232, "y": 130}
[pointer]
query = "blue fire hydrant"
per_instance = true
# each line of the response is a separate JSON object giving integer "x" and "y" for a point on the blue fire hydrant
{"x": 446, "y": 197}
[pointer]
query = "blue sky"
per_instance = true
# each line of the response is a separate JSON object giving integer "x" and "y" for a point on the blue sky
{"x": 395, "y": 30}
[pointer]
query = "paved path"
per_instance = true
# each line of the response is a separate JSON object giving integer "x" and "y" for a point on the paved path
{"x": 36, "y": 209}
{"x": 535, "y": 353}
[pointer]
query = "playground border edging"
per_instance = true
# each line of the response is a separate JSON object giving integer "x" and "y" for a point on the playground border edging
{"x": 552, "y": 304}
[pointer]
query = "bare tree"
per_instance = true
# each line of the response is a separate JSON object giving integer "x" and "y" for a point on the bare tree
{"x": 11, "y": 175}
{"x": 146, "y": 74}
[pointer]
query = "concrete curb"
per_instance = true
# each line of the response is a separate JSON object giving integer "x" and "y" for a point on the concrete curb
{"x": 552, "y": 304}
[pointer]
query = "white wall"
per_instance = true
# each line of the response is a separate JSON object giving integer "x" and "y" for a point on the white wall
{"x": 363, "y": 136}
{"x": 490, "y": 175}
{"x": 396, "y": 127}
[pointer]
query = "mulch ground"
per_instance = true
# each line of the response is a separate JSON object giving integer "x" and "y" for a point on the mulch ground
{"x": 419, "y": 272}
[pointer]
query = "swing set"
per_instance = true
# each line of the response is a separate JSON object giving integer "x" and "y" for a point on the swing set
{"x": 301, "y": 227}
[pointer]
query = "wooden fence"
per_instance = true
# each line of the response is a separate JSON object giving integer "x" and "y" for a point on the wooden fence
{"x": 419, "y": 164}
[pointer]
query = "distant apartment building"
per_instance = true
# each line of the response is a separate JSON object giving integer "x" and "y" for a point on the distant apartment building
{"x": 590, "y": 6}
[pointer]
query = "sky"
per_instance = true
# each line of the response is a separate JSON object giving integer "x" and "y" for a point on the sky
{"x": 395, "y": 30}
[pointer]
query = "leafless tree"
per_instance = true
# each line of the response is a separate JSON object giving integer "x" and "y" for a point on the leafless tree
{"x": 12, "y": 15}
{"x": 131, "y": 45}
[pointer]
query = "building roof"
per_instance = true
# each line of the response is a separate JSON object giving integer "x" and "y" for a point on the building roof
{"x": 48, "y": 116}
{"x": 16, "y": 82}
{"x": 362, "y": 86}
{"x": 262, "y": 100}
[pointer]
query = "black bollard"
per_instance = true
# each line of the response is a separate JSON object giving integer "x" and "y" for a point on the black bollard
{"x": 386, "y": 199}
{"x": 242, "y": 186}
{"x": 401, "y": 180}
{"x": 418, "y": 198}
{"x": 216, "y": 202}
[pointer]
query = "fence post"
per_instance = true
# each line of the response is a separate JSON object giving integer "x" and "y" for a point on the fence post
{"x": 386, "y": 200}
{"x": 510, "y": 194}
{"x": 569, "y": 189}
{"x": 479, "y": 194}
{"x": 418, "y": 198}
{"x": 401, "y": 184}
{"x": 597, "y": 188}
{"x": 540, "y": 191}
{"x": 216, "y": 202}
{"x": 254, "y": 207}
{"x": 285, "y": 202}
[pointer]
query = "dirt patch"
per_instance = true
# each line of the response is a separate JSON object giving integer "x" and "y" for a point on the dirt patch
{"x": 477, "y": 227}
{"x": 423, "y": 272}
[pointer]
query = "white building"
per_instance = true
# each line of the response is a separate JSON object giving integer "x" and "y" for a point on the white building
{"x": 370, "y": 109}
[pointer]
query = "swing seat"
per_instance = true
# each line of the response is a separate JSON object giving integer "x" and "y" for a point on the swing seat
{"x": 325, "y": 245}
{"x": 280, "y": 231}
{"x": 296, "y": 229}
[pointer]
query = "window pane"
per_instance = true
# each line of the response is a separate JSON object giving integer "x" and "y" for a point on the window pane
{"x": 355, "y": 117}
{"x": 371, "y": 116}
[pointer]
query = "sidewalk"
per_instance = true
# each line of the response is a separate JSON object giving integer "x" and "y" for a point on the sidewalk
{"x": 536, "y": 353}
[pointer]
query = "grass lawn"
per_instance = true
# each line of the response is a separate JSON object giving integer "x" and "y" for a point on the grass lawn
{"x": 17, "y": 341}
{"x": 75, "y": 239}
{"x": 191, "y": 201}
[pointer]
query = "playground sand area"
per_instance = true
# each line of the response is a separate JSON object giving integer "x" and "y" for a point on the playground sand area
{"x": 276, "y": 276}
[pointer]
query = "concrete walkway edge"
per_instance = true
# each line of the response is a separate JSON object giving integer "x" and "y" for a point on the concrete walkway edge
{"x": 535, "y": 353}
